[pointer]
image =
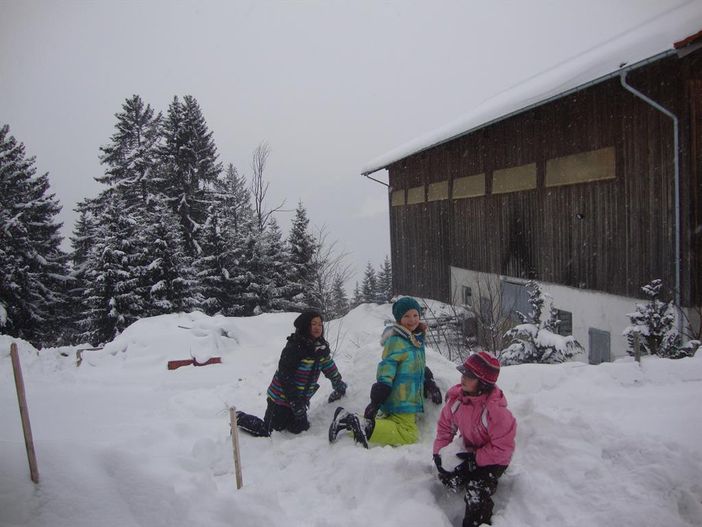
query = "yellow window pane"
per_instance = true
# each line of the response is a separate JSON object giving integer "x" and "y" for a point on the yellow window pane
{"x": 514, "y": 179}
{"x": 398, "y": 198}
{"x": 581, "y": 168}
{"x": 468, "y": 187}
{"x": 415, "y": 195}
{"x": 437, "y": 191}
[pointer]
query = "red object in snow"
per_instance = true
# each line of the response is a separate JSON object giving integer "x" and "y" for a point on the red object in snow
{"x": 174, "y": 364}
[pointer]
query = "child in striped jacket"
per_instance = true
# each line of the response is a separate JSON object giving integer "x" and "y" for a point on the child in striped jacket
{"x": 304, "y": 357}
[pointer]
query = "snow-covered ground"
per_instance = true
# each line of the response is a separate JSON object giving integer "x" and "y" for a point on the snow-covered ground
{"x": 121, "y": 441}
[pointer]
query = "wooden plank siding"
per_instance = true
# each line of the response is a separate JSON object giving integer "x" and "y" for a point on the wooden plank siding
{"x": 611, "y": 235}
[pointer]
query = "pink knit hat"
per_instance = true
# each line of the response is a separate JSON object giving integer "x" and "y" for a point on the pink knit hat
{"x": 484, "y": 365}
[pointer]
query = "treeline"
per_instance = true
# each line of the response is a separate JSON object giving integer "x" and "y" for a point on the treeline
{"x": 171, "y": 230}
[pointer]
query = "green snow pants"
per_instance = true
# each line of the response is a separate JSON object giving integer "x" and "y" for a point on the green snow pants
{"x": 395, "y": 429}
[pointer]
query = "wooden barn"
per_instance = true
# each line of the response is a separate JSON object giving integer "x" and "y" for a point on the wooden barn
{"x": 593, "y": 190}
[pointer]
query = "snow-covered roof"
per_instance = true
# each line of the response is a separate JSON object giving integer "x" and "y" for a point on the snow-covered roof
{"x": 652, "y": 39}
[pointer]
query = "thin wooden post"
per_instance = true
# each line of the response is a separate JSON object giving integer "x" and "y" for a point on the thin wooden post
{"x": 235, "y": 446}
{"x": 637, "y": 347}
{"x": 24, "y": 414}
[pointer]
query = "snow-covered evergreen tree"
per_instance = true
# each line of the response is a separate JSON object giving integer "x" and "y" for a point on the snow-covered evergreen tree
{"x": 234, "y": 200}
{"x": 384, "y": 292}
{"x": 211, "y": 265}
{"x": 339, "y": 301}
{"x": 189, "y": 167}
{"x": 251, "y": 276}
{"x": 82, "y": 240}
{"x": 114, "y": 295}
{"x": 369, "y": 285}
{"x": 535, "y": 340}
{"x": 131, "y": 155}
{"x": 169, "y": 283}
{"x": 235, "y": 219}
{"x": 301, "y": 246}
{"x": 357, "y": 299}
{"x": 654, "y": 321}
{"x": 276, "y": 258}
{"x": 32, "y": 266}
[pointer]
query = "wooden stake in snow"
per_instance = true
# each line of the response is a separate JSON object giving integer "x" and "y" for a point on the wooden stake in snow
{"x": 24, "y": 414}
{"x": 235, "y": 446}
{"x": 637, "y": 347}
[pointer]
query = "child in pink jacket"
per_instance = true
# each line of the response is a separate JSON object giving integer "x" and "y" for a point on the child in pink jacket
{"x": 476, "y": 409}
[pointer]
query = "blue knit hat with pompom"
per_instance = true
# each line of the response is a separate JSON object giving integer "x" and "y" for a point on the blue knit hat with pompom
{"x": 403, "y": 305}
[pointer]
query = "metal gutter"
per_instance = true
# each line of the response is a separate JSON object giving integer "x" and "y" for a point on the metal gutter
{"x": 603, "y": 78}
{"x": 676, "y": 161}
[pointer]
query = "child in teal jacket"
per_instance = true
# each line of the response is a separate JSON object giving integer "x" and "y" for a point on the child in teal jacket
{"x": 403, "y": 381}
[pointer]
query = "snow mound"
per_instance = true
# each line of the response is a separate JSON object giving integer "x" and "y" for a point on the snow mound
{"x": 122, "y": 441}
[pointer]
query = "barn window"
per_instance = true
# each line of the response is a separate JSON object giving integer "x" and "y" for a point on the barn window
{"x": 415, "y": 195}
{"x": 514, "y": 297}
{"x": 565, "y": 328}
{"x": 467, "y": 296}
{"x": 437, "y": 191}
{"x": 468, "y": 187}
{"x": 398, "y": 198}
{"x": 581, "y": 168}
{"x": 514, "y": 179}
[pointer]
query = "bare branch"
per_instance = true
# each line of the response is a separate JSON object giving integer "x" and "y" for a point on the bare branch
{"x": 259, "y": 187}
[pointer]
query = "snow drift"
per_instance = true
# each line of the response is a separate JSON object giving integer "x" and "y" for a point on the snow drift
{"x": 122, "y": 441}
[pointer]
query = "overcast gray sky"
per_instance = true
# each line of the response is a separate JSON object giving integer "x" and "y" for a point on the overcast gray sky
{"x": 329, "y": 85}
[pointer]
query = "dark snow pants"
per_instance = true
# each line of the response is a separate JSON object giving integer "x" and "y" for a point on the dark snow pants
{"x": 277, "y": 418}
{"x": 480, "y": 485}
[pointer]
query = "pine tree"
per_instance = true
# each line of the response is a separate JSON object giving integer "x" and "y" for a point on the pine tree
{"x": 234, "y": 200}
{"x": 114, "y": 296}
{"x": 32, "y": 266}
{"x": 233, "y": 203}
{"x": 189, "y": 167}
{"x": 81, "y": 242}
{"x": 211, "y": 266}
{"x": 277, "y": 261}
{"x": 535, "y": 339}
{"x": 385, "y": 282}
{"x": 302, "y": 246}
{"x": 252, "y": 283}
{"x": 369, "y": 286}
{"x": 131, "y": 156}
{"x": 357, "y": 296}
{"x": 340, "y": 302}
{"x": 655, "y": 324}
{"x": 168, "y": 279}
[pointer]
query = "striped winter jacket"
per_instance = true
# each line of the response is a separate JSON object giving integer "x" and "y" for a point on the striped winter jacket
{"x": 402, "y": 368}
{"x": 298, "y": 370}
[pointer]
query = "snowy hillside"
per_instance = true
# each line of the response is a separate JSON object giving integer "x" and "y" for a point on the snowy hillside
{"x": 121, "y": 441}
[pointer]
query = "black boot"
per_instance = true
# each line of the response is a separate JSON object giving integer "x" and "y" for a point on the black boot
{"x": 252, "y": 425}
{"x": 344, "y": 420}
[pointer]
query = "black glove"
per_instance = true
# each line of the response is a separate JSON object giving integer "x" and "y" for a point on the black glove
{"x": 371, "y": 411}
{"x": 445, "y": 477}
{"x": 431, "y": 390}
{"x": 298, "y": 407}
{"x": 379, "y": 392}
{"x": 437, "y": 462}
{"x": 339, "y": 391}
{"x": 468, "y": 464}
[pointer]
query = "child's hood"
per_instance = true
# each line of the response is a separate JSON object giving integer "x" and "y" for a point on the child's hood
{"x": 397, "y": 329}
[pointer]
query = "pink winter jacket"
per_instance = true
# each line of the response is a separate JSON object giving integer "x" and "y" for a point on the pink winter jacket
{"x": 487, "y": 426}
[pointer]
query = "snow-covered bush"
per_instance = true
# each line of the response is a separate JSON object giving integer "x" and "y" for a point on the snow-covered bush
{"x": 536, "y": 340}
{"x": 654, "y": 321}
